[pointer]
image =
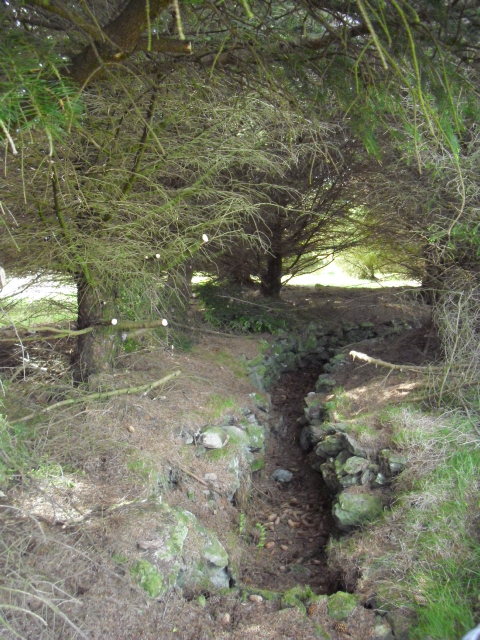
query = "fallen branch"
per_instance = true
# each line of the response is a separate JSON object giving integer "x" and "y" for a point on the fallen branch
{"x": 54, "y": 333}
{"x": 101, "y": 395}
{"x": 389, "y": 365}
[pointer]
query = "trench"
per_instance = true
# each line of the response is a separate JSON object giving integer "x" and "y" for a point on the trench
{"x": 302, "y": 508}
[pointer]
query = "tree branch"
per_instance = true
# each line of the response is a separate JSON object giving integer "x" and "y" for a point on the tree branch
{"x": 124, "y": 31}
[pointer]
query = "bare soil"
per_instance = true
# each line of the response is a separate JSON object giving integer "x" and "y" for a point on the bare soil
{"x": 62, "y": 530}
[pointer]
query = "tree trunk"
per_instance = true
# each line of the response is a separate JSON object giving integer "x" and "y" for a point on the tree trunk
{"x": 271, "y": 281}
{"x": 95, "y": 351}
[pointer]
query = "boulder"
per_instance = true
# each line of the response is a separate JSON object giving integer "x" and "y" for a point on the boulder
{"x": 354, "y": 508}
{"x": 340, "y": 462}
{"x": 184, "y": 553}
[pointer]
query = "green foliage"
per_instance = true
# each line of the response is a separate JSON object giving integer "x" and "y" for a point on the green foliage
{"x": 373, "y": 262}
{"x": 33, "y": 94}
{"x": 241, "y": 523}
{"x": 262, "y": 535}
{"x": 223, "y": 311}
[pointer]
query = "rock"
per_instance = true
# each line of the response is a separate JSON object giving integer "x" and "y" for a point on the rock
{"x": 325, "y": 383}
{"x": 289, "y": 362}
{"x": 183, "y": 553}
{"x": 314, "y": 408}
{"x": 210, "y": 477}
{"x": 341, "y": 605}
{"x": 252, "y": 419}
{"x": 340, "y": 462}
{"x": 329, "y": 476}
{"x": 392, "y": 463}
{"x": 355, "y": 465}
{"x": 382, "y": 630}
{"x": 214, "y": 437}
{"x": 312, "y": 433}
{"x": 330, "y": 445}
{"x": 260, "y": 401}
{"x": 226, "y": 619}
{"x": 237, "y": 436}
{"x": 306, "y": 439}
{"x": 149, "y": 578}
{"x": 352, "y": 445}
{"x": 401, "y": 624}
{"x": 317, "y": 465}
{"x": 282, "y": 475}
{"x": 379, "y": 481}
{"x": 354, "y": 508}
{"x": 255, "y": 598}
{"x": 300, "y": 571}
{"x": 186, "y": 437}
{"x": 256, "y": 436}
{"x": 366, "y": 477}
{"x": 348, "y": 481}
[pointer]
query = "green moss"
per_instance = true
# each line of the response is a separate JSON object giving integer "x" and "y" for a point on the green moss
{"x": 341, "y": 605}
{"x": 257, "y": 463}
{"x": 297, "y": 596}
{"x": 148, "y": 578}
{"x": 218, "y": 454}
{"x": 218, "y": 405}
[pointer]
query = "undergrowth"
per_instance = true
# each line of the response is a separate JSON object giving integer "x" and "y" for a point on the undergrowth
{"x": 230, "y": 312}
{"x": 424, "y": 556}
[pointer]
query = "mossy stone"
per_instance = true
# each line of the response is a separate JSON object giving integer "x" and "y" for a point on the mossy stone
{"x": 354, "y": 508}
{"x": 256, "y": 436}
{"x": 341, "y": 605}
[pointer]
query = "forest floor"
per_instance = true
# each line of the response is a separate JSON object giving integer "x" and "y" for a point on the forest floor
{"x": 84, "y": 501}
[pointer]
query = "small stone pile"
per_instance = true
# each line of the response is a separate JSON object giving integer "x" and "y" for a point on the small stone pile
{"x": 351, "y": 472}
{"x": 314, "y": 345}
